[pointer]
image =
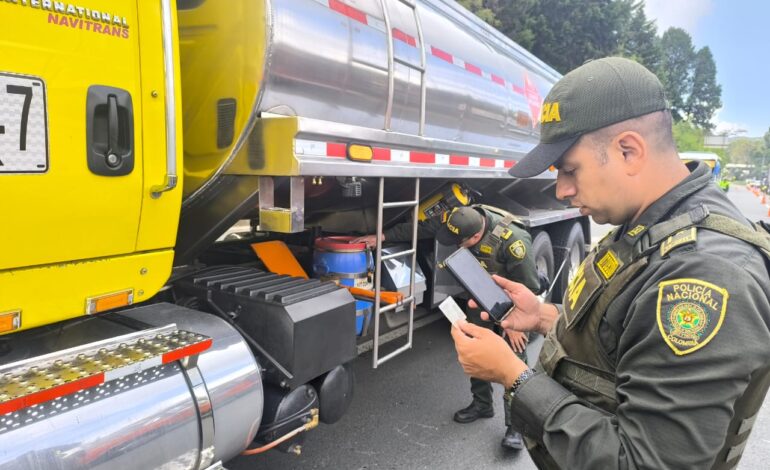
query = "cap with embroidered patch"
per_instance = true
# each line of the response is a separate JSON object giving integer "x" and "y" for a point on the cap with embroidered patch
{"x": 593, "y": 96}
{"x": 462, "y": 223}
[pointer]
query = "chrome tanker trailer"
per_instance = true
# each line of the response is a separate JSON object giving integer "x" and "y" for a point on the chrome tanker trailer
{"x": 178, "y": 181}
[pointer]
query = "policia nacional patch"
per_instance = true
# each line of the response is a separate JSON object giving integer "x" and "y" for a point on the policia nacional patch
{"x": 690, "y": 313}
{"x": 517, "y": 249}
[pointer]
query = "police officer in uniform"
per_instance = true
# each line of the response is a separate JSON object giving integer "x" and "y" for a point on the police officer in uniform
{"x": 658, "y": 356}
{"x": 502, "y": 247}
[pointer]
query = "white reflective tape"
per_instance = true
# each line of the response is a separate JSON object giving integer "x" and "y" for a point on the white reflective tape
{"x": 486, "y": 75}
{"x": 309, "y": 147}
{"x": 132, "y": 369}
{"x": 376, "y": 23}
{"x": 474, "y": 161}
{"x": 458, "y": 62}
{"x": 499, "y": 164}
{"x": 442, "y": 159}
{"x": 399, "y": 156}
{"x": 324, "y": 3}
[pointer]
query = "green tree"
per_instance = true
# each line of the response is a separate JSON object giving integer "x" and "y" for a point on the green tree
{"x": 706, "y": 95}
{"x": 565, "y": 33}
{"x": 517, "y": 20}
{"x": 677, "y": 56}
{"x": 688, "y": 137}
{"x": 484, "y": 9}
{"x": 746, "y": 150}
{"x": 639, "y": 38}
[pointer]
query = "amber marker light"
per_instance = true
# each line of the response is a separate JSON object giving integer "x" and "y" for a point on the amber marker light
{"x": 360, "y": 153}
{"x": 10, "y": 321}
{"x": 106, "y": 302}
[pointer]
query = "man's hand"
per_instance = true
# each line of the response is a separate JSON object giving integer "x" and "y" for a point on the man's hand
{"x": 370, "y": 240}
{"x": 484, "y": 355}
{"x": 517, "y": 339}
{"x": 526, "y": 315}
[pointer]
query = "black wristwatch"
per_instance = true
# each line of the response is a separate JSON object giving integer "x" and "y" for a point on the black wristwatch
{"x": 523, "y": 377}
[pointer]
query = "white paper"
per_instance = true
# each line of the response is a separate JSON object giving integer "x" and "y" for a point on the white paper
{"x": 451, "y": 310}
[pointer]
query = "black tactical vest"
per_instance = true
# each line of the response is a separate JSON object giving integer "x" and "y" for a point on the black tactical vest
{"x": 571, "y": 352}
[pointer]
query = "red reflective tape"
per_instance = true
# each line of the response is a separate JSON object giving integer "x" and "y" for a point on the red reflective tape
{"x": 186, "y": 351}
{"x": 420, "y": 157}
{"x": 509, "y": 163}
{"x": 12, "y": 405}
{"x": 472, "y": 68}
{"x": 50, "y": 394}
{"x": 498, "y": 80}
{"x": 348, "y": 11}
{"x": 440, "y": 54}
{"x": 518, "y": 89}
{"x": 402, "y": 36}
{"x": 336, "y": 150}
{"x": 488, "y": 162}
{"x": 381, "y": 154}
{"x": 458, "y": 160}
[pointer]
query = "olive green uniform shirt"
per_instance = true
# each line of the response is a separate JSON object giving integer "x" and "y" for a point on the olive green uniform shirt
{"x": 673, "y": 410}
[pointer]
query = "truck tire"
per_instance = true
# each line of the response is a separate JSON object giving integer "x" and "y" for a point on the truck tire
{"x": 569, "y": 244}
{"x": 543, "y": 254}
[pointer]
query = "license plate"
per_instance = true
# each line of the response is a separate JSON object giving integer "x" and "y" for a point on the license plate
{"x": 23, "y": 124}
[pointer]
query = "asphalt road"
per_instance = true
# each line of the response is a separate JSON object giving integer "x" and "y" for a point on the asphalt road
{"x": 401, "y": 416}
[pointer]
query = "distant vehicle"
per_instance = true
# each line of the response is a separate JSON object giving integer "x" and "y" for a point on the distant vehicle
{"x": 710, "y": 159}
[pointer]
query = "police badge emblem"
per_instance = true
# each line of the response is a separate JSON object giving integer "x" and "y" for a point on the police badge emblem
{"x": 517, "y": 249}
{"x": 690, "y": 313}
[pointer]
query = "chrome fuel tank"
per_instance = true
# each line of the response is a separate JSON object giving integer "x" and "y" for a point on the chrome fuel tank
{"x": 165, "y": 417}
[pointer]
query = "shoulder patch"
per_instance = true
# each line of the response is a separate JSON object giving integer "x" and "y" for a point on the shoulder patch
{"x": 517, "y": 249}
{"x": 635, "y": 231}
{"x": 690, "y": 313}
{"x": 608, "y": 264}
{"x": 682, "y": 237}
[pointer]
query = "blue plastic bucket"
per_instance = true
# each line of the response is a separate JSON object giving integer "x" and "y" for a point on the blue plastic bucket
{"x": 335, "y": 258}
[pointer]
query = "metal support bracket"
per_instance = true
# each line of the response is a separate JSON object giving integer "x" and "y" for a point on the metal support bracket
{"x": 282, "y": 219}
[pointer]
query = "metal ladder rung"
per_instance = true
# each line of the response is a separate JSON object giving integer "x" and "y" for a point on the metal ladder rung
{"x": 397, "y": 255}
{"x": 409, "y": 3}
{"x": 390, "y": 307}
{"x": 395, "y": 353}
{"x": 389, "y": 205}
{"x": 406, "y": 63}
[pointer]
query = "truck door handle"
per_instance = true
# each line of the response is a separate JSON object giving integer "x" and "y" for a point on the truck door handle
{"x": 109, "y": 131}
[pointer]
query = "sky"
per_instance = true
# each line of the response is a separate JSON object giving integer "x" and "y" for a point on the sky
{"x": 738, "y": 34}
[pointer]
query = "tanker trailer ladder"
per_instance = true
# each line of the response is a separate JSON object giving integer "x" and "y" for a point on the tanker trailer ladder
{"x": 44, "y": 381}
{"x": 395, "y": 33}
{"x": 381, "y": 205}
